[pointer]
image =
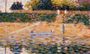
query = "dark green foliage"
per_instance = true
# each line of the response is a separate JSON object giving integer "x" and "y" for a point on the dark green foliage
{"x": 17, "y": 6}
{"x": 48, "y": 18}
{"x": 43, "y": 49}
{"x": 48, "y": 5}
{"x": 16, "y": 49}
{"x": 79, "y": 18}
{"x": 85, "y": 6}
{"x": 45, "y": 5}
{"x": 52, "y": 49}
{"x": 12, "y": 17}
{"x": 24, "y": 17}
{"x": 79, "y": 48}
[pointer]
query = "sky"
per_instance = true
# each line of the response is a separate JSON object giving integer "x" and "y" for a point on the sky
{"x": 2, "y": 4}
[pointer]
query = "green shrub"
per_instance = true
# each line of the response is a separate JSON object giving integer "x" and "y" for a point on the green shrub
{"x": 43, "y": 49}
{"x": 24, "y": 17}
{"x": 85, "y": 6}
{"x": 79, "y": 18}
{"x": 52, "y": 49}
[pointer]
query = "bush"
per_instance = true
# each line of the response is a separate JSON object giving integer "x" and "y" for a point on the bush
{"x": 48, "y": 18}
{"x": 78, "y": 48}
{"x": 16, "y": 49}
{"x": 52, "y": 49}
{"x": 43, "y": 49}
{"x": 79, "y": 18}
{"x": 85, "y": 6}
{"x": 23, "y": 17}
{"x": 14, "y": 17}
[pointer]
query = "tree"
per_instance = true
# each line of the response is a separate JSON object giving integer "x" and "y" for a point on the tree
{"x": 33, "y": 4}
{"x": 57, "y": 2}
{"x": 39, "y": 4}
{"x": 45, "y": 5}
{"x": 64, "y": 4}
{"x": 17, "y": 6}
{"x": 51, "y": 4}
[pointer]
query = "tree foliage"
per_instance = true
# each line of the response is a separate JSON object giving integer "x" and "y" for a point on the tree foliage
{"x": 17, "y": 6}
{"x": 61, "y": 3}
{"x": 33, "y": 4}
{"x": 50, "y": 4}
{"x": 45, "y": 5}
{"x": 39, "y": 4}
